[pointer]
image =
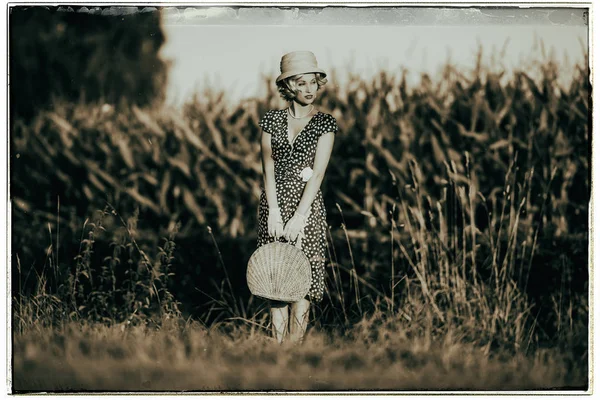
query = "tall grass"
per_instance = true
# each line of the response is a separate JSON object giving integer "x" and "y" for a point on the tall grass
{"x": 125, "y": 285}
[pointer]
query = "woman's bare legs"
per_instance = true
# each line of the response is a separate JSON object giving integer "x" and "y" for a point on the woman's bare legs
{"x": 299, "y": 320}
{"x": 279, "y": 320}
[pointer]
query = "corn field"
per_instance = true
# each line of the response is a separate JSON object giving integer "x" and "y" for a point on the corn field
{"x": 458, "y": 206}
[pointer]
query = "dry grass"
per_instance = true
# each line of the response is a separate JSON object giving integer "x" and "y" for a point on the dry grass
{"x": 182, "y": 356}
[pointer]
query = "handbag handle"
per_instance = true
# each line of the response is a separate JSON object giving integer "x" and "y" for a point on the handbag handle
{"x": 297, "y": 242}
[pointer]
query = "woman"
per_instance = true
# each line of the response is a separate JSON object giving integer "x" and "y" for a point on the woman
{"x": 296, "y": 144}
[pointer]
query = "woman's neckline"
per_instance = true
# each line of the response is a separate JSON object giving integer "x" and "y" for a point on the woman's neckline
{"x": 287, "y": 126}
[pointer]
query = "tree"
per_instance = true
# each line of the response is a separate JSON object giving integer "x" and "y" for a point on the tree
{"x": 108, "y": 54}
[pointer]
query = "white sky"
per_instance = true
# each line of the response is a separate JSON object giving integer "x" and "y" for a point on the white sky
{"x": 232, "y": 57}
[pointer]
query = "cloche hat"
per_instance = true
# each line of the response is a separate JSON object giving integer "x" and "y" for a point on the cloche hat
{"x": 298, "y": 62}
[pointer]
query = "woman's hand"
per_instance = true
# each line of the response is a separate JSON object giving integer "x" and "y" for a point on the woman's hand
{"x": 275, "y": 223}
{"x": 295, "y": 227}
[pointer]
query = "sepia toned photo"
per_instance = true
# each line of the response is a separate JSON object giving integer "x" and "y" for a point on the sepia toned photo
{"x": 305, "y": 198}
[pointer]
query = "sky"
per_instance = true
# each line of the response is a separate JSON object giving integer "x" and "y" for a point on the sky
{"x": 229, "y": 49}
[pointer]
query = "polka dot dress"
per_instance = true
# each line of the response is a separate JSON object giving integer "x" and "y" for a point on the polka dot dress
{"x": 289, "y": 161}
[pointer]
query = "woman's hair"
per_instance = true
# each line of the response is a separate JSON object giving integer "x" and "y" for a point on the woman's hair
{"x": 287, "y": 87}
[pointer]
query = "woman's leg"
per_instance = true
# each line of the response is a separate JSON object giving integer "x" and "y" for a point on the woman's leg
{"x": 299, "y": 320}
{"x": 279, "y": 320}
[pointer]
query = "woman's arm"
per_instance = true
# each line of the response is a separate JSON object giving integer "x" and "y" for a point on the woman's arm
{"x": 274, "y": 221}
{"x": 268, "y": 170}
{"x": 323, "y": 153}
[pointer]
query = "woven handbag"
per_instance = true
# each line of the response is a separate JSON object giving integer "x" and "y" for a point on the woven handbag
{"x": 279, "y": 271}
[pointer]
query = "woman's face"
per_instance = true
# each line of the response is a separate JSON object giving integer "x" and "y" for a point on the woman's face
{"x": 307, "y": 89}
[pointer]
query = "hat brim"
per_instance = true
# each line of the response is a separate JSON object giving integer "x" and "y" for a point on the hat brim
{"x": 287, "y": 74}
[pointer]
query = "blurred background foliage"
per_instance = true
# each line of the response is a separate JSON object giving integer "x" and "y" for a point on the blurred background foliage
{"x": 83, "y": 56}
{"x": 88, "y": 133}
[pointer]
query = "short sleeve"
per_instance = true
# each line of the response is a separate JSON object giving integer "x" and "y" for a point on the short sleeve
{"x": 266, "y": 123}
{"x": 329, "y": 124}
